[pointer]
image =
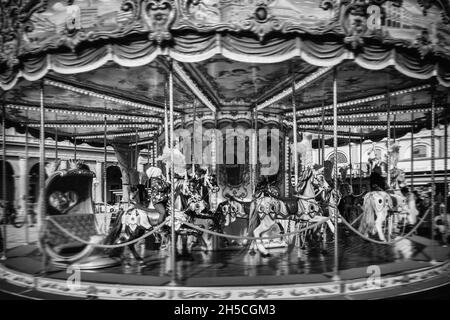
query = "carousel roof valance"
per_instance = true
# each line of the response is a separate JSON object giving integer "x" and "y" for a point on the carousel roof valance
{"x": 78, "y": 35}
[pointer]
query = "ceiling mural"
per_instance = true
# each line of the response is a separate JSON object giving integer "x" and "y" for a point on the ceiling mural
{"x": 146, "y": 82}
{"x": 352, "y": 82}
{"x": 241, "y": 84}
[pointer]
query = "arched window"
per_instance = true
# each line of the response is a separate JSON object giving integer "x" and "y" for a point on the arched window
{"x": 420, "y": 151}
{"x": 113, "y": 183}
{"x": 10, "y": 181}
{"x": 341, "y": 157}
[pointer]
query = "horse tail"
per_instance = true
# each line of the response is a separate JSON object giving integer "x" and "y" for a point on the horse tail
{"x": 367, "y": 224}
{"x": 253, "y": 219}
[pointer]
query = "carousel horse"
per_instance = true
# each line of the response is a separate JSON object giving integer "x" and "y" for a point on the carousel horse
{"x": 267, "y": 210}
{"x": 350, "y": 205}
{"x": 404, "y": 202}
{"x": 372, "y": 157}
{"x": 234, "y": 212}
{"x": 138, "y": 219}
{"x": 233, "y": 216}
{"x": 201, "y": 186}
{"x": 329, "y": 198}
{"x": 377, "y": 206}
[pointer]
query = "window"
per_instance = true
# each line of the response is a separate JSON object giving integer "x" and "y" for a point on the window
{"x": 341, "y": 158}
{"x": 420, "y": 151}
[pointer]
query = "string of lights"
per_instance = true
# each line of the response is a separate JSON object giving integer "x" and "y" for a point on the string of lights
{"x": 82, "y": 113}
{"x": 102, "y": 96}
{"x": 362, "y": 100}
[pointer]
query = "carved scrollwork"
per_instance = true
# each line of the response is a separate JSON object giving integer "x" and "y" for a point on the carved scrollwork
{"x": 328, "y": 4}
{"x": 159, "y": 16}
{"x": 14, "y": 22}
{"x": 262, "y": 293}
{"x": 262, "y": 22}
{"x": 132, "y": 6}
{"x": 203, "y": 295}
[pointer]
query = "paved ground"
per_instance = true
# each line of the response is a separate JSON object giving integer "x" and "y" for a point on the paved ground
{"x": 17, "y": 236}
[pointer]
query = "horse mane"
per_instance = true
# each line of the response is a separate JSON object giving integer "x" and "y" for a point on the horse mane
{"x": 304, "y": 180}
{"x": 367, "y": 224}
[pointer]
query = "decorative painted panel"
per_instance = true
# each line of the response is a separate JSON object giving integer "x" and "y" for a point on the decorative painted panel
{"x": 260, "y": 16}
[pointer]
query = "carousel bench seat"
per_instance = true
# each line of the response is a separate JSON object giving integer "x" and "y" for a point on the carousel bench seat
{"x": 63, "y": 247}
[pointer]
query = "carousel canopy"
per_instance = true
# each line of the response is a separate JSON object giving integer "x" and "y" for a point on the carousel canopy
{"x": 106, "y": 61}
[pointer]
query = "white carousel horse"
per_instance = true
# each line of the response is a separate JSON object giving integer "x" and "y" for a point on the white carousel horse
{"x": 377, "y": 205}
{"x": 404, "y": 206}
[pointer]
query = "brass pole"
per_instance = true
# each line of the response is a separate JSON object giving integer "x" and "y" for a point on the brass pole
{"x": 323, "y": 133}
{"x": 166, "y": 127}
{"x": 350, "y": 156}
{"x": 412, "y": 151}
{"x": 136, "y": 152}
{"x": 433, "y": 182}
{"x": 360, "y": 160}
{"x": 255, "y": 152}
{"x": 105, "y": 162}
{"x": 25, "y": 203}
{"x": 445, "y": 175}
{"x": 388, "y": 160}
{"x": 336, "y": 276}
{"x": 294, "y": 128}
{"x": 5, "y": 195}
{"x": 193, "y": 137}
{"x": 75, "y": 146}
{"x": 388, "y": 142}
{"x": 172, "y": 179}
{"x": 56, "y": 139}
{"x": 42, "y": 214}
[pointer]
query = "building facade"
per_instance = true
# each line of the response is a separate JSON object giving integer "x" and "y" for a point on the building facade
{"x": 22, "y": 169}
{"x": 418, "y": 146}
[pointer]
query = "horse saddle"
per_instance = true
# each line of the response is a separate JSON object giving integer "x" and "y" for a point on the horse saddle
{"x": 245, "y": 204}
{"x": 394, "y": 201}
{"x": 291, "y": 205}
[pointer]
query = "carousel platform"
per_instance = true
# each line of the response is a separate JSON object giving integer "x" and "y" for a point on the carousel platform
{"x": 234, "y": 274}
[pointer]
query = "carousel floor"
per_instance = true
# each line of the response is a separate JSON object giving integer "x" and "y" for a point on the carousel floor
{"x": 238, "y": 267}
{"x": 405, "y": 268}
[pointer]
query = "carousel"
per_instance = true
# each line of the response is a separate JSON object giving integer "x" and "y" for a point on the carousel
{"x": 233, "y": 105}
